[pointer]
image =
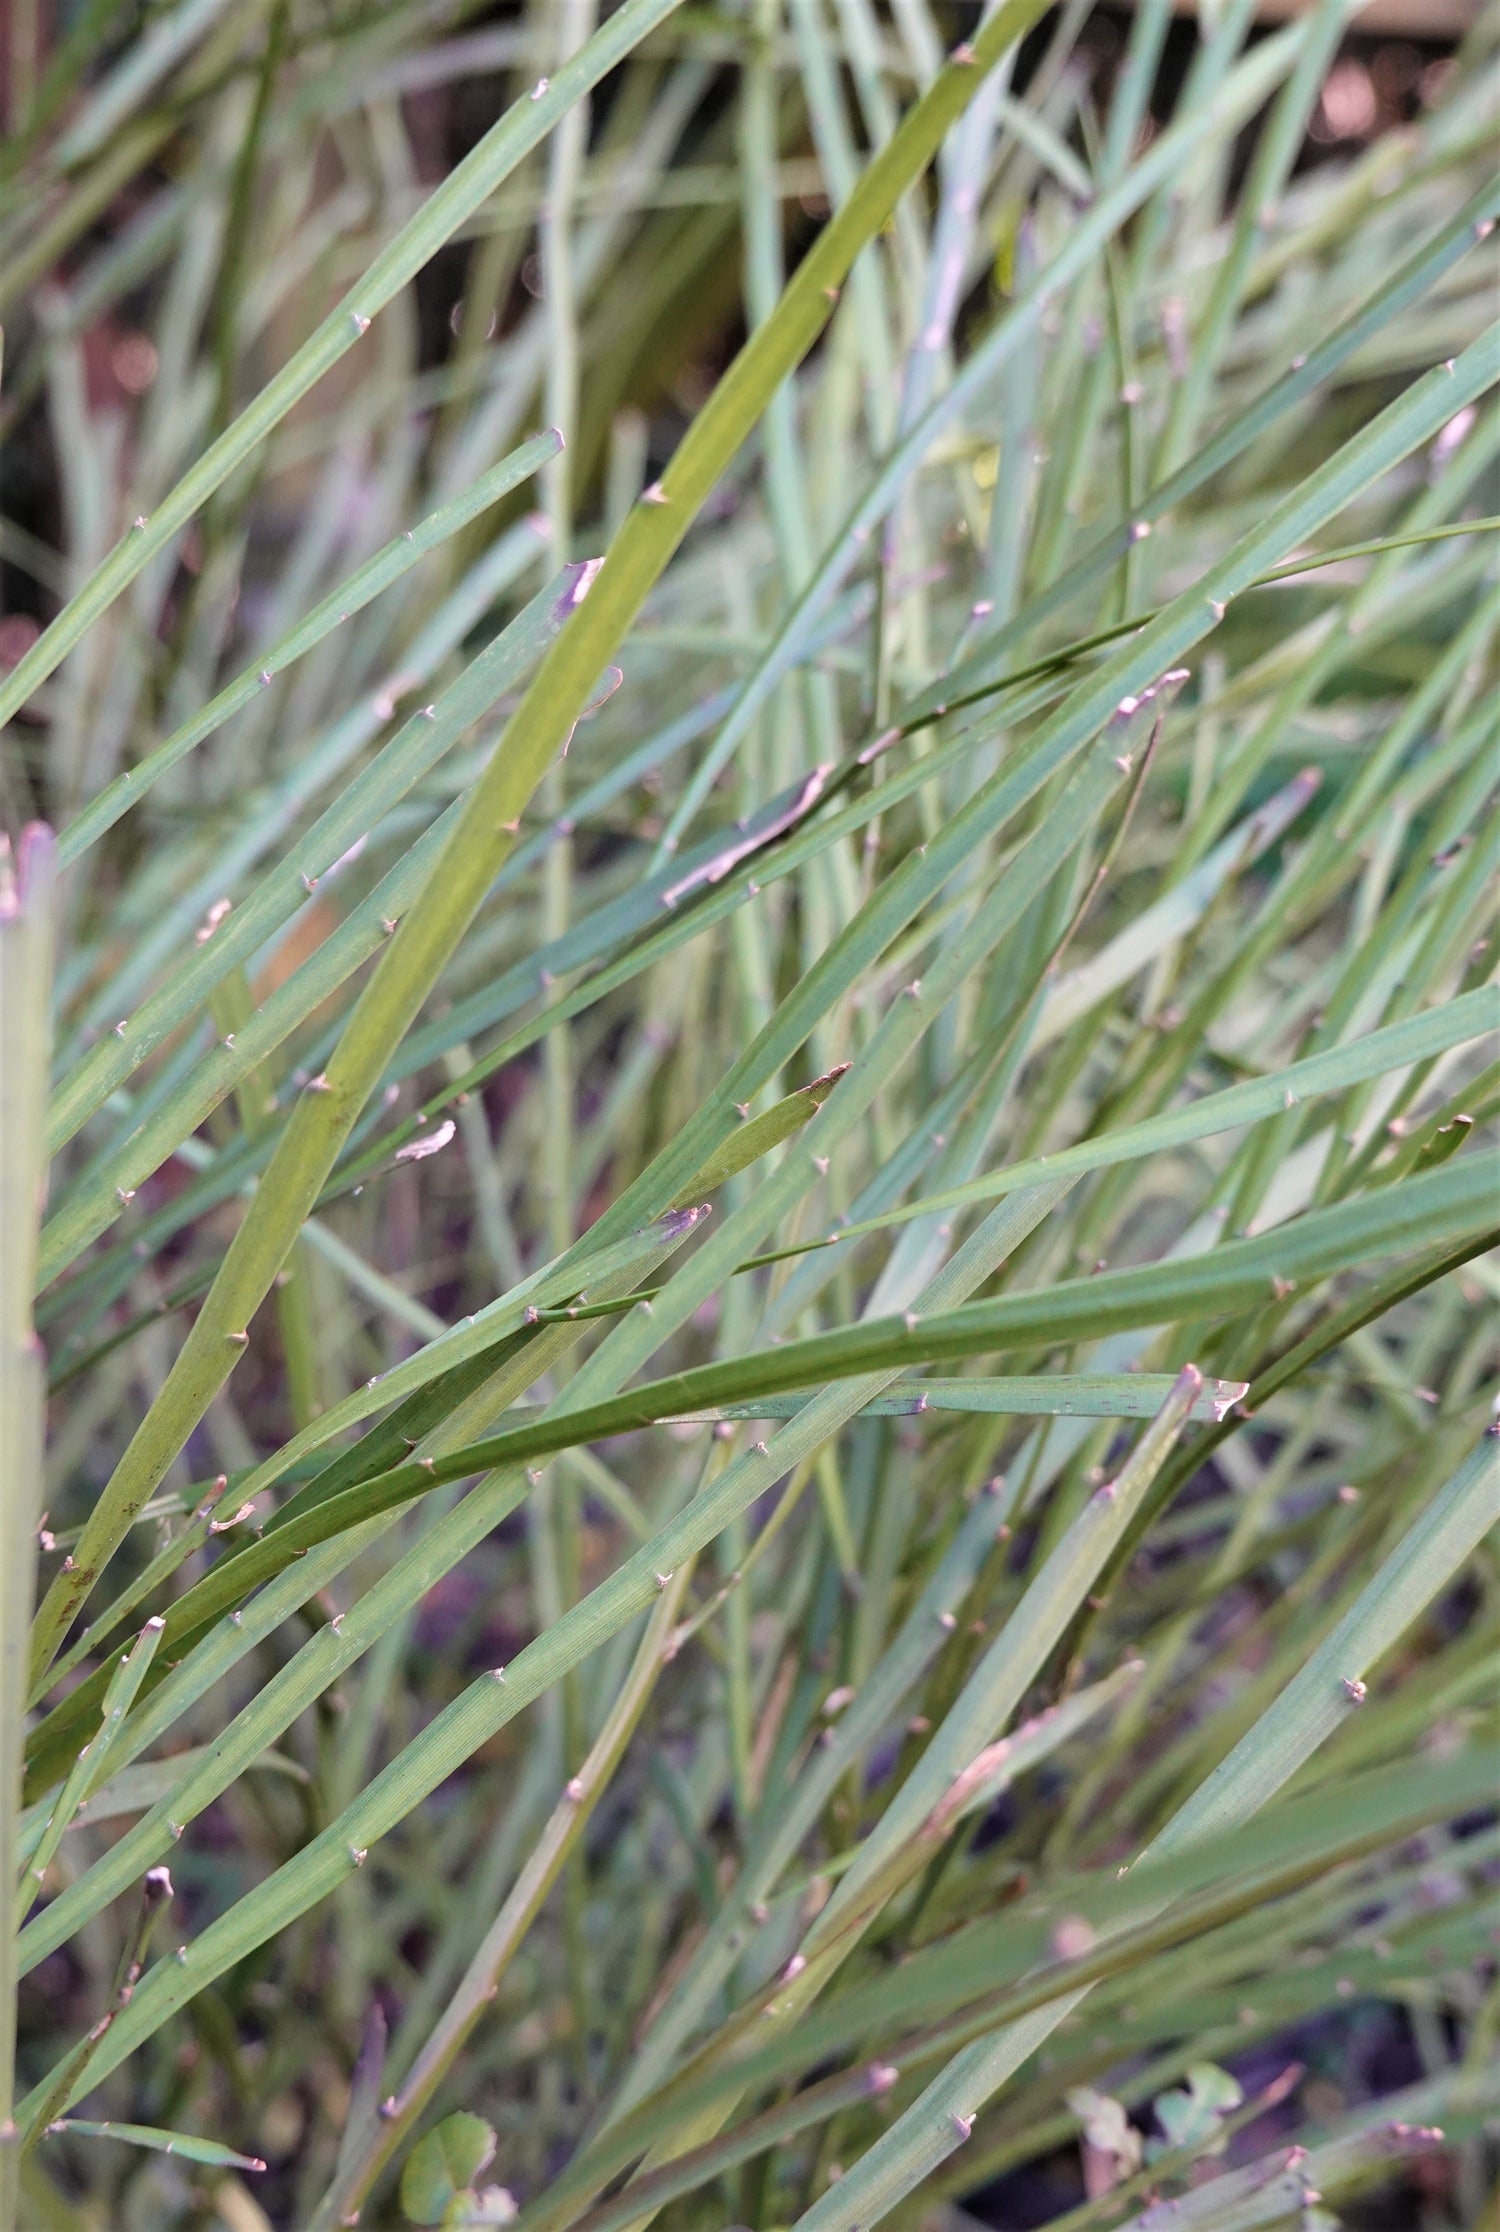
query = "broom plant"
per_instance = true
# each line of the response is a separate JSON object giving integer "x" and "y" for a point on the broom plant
{"x": 748, "y": 1316}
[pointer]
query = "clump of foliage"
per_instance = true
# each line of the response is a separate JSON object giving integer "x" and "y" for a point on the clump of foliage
{"x": 755, "y": 1275}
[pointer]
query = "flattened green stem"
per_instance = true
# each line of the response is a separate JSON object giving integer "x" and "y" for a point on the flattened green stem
{"x": 994, "y": 1240}
{"x": 1085, "y": 241}
{"x": 772, "y": 863}
{"x": 1316, "y": 1702}
{"x": 96, "y": 1204}
{"x": 830, "y": 1940}
{"x": 759, "y": 1135}
{"x": 962, "y": 1751}
{"x": 781, "y": 1832}
{"x": 92, "y": 1763}
{"x": 183, "y": 2144}
{"x": 994, "y": 1960}
{"x": 1472, "y": 1015}
{"x": 523, "y": 127}
{"x": 1275, "y": 152}
{"x": 26, "y": 890}
{"x": 1415, "y": 417}
{"x": 341, "y": 604}
{"x": 1225, "y": 1282}
{"x": 321, "y": 1511}
{"x": 1458, "y": 1197}
{"x": 565, "y": 1827}
{"x": 1446, "y": 246}
{"x": 540, "y": 726}
{"x": 72, "y": 2074}
{"x": 325, "y": 1113}
{"x": 1020, "y": 1653}
{"x": 657, "y": 524}
{"x": 1342, "y": 1234}
{"x": 238, "y": 932}
{"x": 585, "y": 1264}
{"x": 1038, "y": 1395}
{"x": 506, "y": 1691}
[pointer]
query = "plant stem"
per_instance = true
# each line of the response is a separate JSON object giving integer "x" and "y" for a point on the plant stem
{"x": 26, "y": 888}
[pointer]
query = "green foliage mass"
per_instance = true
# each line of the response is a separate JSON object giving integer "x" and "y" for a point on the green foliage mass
{"x": 747, "y": 1201}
